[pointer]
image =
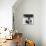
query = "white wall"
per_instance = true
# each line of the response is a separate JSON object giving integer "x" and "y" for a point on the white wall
{"x": 38, "y": 30}
{"x": 30, "y": 31}
{"x": 6, "y": 13}
{"x": 43, "y": 22}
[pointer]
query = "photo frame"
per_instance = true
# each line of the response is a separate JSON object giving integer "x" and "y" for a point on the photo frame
{"x": 28, "y": 19}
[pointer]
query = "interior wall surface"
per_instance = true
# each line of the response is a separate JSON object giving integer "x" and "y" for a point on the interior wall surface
{"x": 32, "y": 32}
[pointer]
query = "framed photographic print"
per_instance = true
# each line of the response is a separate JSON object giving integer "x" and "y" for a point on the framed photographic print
{"x": 28, "y": 19}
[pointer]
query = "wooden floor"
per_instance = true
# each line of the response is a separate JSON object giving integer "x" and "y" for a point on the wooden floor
{"x": 9, "y": 43}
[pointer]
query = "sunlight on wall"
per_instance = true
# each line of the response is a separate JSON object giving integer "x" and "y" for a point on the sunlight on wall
{"x": 6, "y": 13}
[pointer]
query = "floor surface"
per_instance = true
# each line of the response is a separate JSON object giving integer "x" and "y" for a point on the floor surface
{"x": 9, "y": 43}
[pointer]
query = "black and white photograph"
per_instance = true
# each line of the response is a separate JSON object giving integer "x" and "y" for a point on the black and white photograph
{"x": 28, "y": 19}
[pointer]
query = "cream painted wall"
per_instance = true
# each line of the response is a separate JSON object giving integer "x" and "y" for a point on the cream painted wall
{"x": 6, "y": 13}
{"x": 37, "y": 31}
